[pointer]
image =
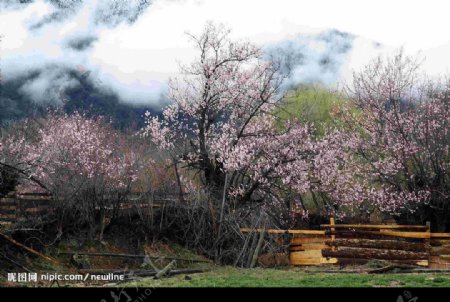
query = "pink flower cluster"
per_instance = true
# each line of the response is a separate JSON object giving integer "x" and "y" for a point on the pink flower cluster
{"x": 73, "y": 149}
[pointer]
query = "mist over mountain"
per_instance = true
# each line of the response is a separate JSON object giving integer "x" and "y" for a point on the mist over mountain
{"x": 314, "y": 58}
{"x": 77, "y": 92}
{"x": 63, "y": 53}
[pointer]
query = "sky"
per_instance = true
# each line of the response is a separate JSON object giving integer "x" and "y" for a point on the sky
{"x": 133, "y": 47}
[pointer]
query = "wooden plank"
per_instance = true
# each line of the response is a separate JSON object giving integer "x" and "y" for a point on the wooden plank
{"x": 275, "y": 231}
{"x": 440, "y": 250}
{"x": 435, "y": 259}
{"x": 304, "y": 258}
{"x": 34, "y": 194}
{"x": 349, "y": 261}
{"x": 307, "y": 247}
{"x": 307, "y": 240}
{"x": 417, "y": 235}
{"x": 435, "y": 241}
{"x": 422, "y": 263}
{"x": 34, "y": 206}
{"x": 7, "y": 211}
{"x": 438, "y": 265}
{"x": 324, "y": 260}
{"x": 7, "y": 219}
{"x": 295, "y": 261}
{"x": 332, "y": 229}
{"x": 440, "y": 235}
{"x": 8, "y": 204}
{"x": 374, "y": 226}
{"x": 353, "y": 261}
{"x": 5, "y": 199}
{"x": 21, "y": 202}
{"x": 315, "y": 254}
{"x": 439, "y": 262}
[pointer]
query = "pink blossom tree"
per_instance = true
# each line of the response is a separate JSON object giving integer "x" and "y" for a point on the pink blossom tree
{"x": 224, "y": 97}
{"x": 401, "y": 152}
{"x": 222, "y": 125}
{"x": 392, "y": 154}
{"x": 82, "y": 162}
{"x": 70, "y": 147}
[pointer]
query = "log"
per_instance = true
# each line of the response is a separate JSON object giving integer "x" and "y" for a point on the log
{"x": 165, "y": 270}
{"x": 7, "y": 219}
{"x": 389, "y": 267}
{"x": 307, "y": 240}
{"x": 307, "y": 247}
{"x": 368, "y": 253}
{"x": 277, "y": 231}
{"x": 381, "y": 270}
{"x": 359, "y": 261}
{"x": 354, "y": 234}
{"x": 440, "y": 250}
{"x": 374, "y": 226}
{"x": 440, "y": 235}
{"x": 15, "y": 263}
{"x": 378, "y": 244}
{"x": 26, "y": 248}
{"x": 436, "y": 241}
{"x": 350, "y": 233}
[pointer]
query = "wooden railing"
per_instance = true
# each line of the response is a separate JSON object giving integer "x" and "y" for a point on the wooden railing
{"x": 15, "y": 207}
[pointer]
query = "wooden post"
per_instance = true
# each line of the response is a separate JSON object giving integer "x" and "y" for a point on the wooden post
{"x": 333, "y": 237}
{"x": 428, "y": 242}
{"x": 258, "y": 248}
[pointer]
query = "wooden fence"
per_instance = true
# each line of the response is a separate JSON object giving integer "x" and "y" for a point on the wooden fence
{"x": 359, "y": 243}
{"x": 334, "y": 244}
{"x": 17, "y": 207}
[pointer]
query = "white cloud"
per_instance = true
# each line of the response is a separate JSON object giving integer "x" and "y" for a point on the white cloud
{"x": 135, "y": 58}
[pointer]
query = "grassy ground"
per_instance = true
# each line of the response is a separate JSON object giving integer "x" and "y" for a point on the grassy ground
{"x": 233, "y": 277}
{"x": 216, "y": 276}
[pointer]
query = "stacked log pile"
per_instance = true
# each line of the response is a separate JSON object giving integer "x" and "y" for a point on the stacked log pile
{"x": 402, "y": 245}
{"x": 440, "y": 251}
{"x": 358, "y": 244}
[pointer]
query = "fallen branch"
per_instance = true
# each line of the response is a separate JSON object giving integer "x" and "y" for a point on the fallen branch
{"x": 26, "y": 248}
{"x": 15, "y": 263}
{"x": 132, "y": 256}
{"x": 382, "y": 269}
{"x": 165, "y": 270}
{"x": 389, "y": 267}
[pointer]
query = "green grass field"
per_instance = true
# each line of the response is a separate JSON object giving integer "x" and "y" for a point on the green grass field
{"x": 233, "y": 277}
